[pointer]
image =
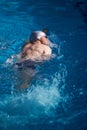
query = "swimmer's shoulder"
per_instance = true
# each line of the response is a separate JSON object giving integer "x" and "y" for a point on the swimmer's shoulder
{"x": 26, "y": 45}
{"x": 25, "y": 48}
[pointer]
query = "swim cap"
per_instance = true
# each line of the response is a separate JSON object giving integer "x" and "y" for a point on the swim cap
{"x": 36, "y": 35}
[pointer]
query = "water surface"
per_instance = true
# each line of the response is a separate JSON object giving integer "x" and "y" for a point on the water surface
{"x": 57, "y": 98}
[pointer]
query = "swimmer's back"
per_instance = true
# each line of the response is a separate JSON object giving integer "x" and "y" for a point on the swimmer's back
{"x": 36, "y": 52}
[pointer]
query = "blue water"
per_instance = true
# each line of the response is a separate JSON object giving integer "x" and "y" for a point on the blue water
{"x": 57, "y": 95}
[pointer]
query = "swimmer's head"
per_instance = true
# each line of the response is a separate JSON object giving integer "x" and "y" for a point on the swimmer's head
{"x": 36, "y": 35}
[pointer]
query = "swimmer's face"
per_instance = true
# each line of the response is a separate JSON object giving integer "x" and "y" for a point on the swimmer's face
{"x": 44, "y": 40}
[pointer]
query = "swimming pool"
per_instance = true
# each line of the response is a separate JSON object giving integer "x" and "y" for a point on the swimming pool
{"x": 57, "y": 96}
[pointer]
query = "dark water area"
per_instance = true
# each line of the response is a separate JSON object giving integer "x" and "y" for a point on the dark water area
{"x": 58, "y": 100}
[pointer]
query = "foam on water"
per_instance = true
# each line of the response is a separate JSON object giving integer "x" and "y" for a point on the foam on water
{"x": 42, "y": 101}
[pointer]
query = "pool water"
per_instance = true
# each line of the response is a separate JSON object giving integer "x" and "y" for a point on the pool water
{"x": 56, "y": 98}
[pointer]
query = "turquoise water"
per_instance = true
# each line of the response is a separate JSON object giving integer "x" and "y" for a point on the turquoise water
{"x": 57, "y": 95}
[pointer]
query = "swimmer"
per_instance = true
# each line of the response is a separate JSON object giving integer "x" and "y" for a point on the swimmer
{"x": 38, "y": 48}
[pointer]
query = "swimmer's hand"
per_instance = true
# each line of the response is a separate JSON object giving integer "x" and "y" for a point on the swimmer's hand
{"x": 52, "y": 45}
